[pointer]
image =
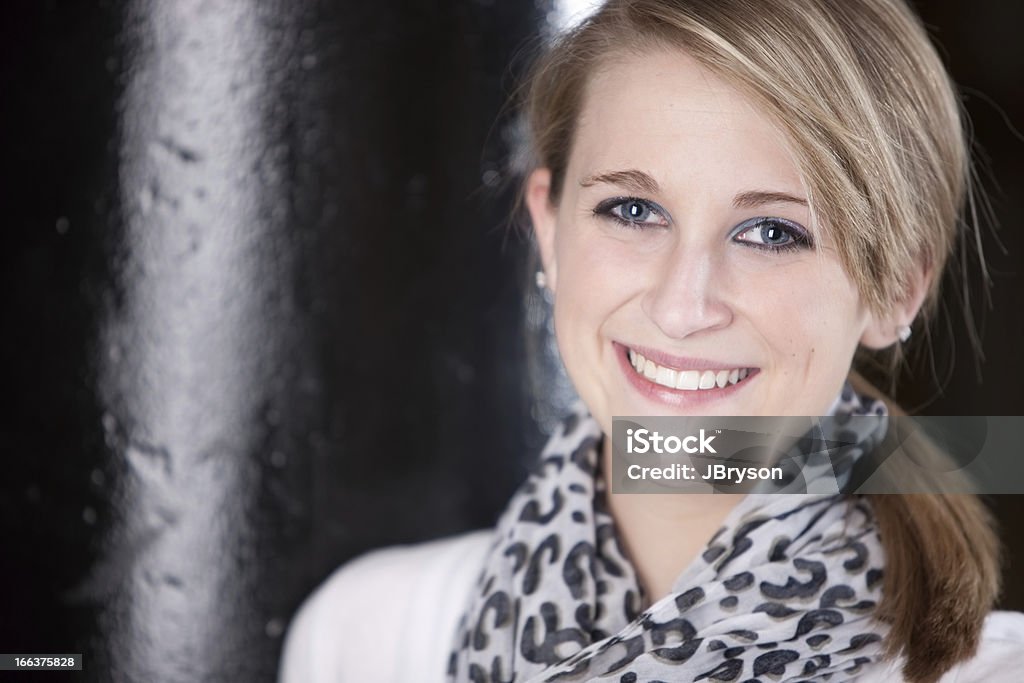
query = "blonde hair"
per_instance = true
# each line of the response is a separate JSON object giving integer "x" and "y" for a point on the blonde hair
{"x": 858, "y": 89}
{"x": 875, "y": 125}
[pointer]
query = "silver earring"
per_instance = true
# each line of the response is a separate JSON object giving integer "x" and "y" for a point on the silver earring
{"x": 904, "y": 333}
{"x": 542, "y": 279}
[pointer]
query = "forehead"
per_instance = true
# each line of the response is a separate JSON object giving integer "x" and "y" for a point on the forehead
{"x": 663, "y": 113}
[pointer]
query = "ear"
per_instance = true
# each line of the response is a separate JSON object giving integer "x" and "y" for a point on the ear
{"x": 884, "y": 331}
{"x": 543, "y": 215}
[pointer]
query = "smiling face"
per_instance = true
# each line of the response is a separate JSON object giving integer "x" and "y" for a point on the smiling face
{"x": 682, "y": 235}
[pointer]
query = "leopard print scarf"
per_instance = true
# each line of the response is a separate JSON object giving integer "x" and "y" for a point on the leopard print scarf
{"x": 784, "y": 591}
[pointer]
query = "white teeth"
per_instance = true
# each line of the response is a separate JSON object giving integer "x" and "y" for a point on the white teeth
{"x": 688, "y": 379}
{"x": 650, "y": 370}
{"x": 666, "y": 377}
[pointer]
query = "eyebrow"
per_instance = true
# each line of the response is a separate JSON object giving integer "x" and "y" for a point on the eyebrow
{"x": 631, "y": 179}
{"x": 638, "y": 181}
{"x": 748, "y": 200}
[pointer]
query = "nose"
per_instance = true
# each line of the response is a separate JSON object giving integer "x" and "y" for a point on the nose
{"x": 688, "y": 293}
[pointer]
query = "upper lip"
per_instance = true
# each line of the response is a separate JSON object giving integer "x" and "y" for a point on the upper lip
{"x": 683, "y": 362}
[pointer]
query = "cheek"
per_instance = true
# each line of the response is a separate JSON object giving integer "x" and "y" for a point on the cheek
{"x": 809, "y": 315}
{"x": 596, "y": 280}
{"x": 812, "y": 331}
{"x": 596, "y": 273}
{"x": 574, "y": 299}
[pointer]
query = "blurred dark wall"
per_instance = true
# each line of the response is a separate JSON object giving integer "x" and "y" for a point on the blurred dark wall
{"x": 980, "y": 44}
{"x": 264, "y": 312}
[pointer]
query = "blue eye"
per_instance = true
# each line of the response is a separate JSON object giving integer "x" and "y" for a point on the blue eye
{"x": 632, "y": 212}
{"x": 773, "y": 234}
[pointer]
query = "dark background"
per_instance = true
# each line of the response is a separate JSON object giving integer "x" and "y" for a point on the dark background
{"x": 265, "y": 313}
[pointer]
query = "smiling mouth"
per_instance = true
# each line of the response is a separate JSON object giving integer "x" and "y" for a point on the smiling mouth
{"x": 687, "y": 380}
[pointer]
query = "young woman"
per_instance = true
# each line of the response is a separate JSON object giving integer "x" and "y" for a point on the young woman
{"x": 731, "y": 201}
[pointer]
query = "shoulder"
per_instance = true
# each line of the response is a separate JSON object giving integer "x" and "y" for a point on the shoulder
{"x": 996, "y": 661}
{"x": 385, "y": 614}
{"x": 999, "y": 652}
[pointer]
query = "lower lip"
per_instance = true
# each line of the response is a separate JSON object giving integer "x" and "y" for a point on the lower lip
{"x": 676, "y": 398}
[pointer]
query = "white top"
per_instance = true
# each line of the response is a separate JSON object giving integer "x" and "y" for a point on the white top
{"x": 389, "y": 617}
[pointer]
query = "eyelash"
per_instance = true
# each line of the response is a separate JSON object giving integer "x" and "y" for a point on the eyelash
{"x": 799, "y": 237}
{"x": 606, "y": 209}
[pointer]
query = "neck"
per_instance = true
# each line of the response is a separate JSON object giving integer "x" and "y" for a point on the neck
{"x": 663, "y": 533}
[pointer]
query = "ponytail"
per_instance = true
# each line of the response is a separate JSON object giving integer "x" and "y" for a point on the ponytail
{"x": 941, "y": 571}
